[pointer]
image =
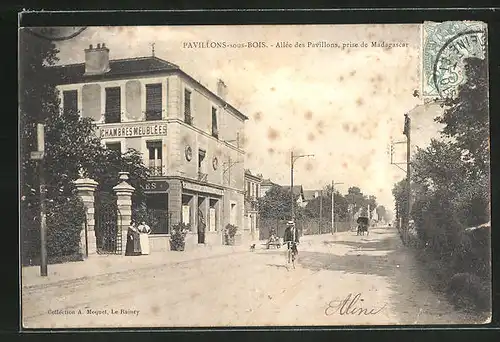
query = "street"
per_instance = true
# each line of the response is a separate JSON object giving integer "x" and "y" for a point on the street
{"x": 340, "y": 279}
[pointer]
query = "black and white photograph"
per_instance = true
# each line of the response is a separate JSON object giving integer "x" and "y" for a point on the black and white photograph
{"x": 254, "y": 175}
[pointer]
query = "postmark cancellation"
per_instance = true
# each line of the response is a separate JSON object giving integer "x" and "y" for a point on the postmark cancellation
{"x": 445, "y": 47}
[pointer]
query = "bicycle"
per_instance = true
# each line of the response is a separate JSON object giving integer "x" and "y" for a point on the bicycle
{"x": 292, "y": 252}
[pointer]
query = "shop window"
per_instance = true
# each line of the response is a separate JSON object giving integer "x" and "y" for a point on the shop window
{"x": 155, "y": 157}
{"x": 70, "y": 101}
{"x": 153, "y": 101}
{"x": 112, "y": 112}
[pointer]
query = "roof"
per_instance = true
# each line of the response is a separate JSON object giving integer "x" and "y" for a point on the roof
{"x": 75, "y": 73}
{"x": 310, "y": 194}
{"x": 249, "y": 174}
{"x": 297, "y": 189}
{"x": 127, "y": 67}
{"x": 267, "y": 182}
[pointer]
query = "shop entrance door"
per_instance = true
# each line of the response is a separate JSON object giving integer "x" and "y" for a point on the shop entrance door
{"x": 202, "y": 224}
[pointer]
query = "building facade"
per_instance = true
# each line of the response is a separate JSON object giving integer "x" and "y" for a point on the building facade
{"x": 252, "y": 195}
{"x": 188, "y": 135}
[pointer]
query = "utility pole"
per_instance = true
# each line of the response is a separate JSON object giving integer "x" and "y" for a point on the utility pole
{"x": 291, "y": 185}
{"x": 407, "y": 132}
{"x": 292, "y": 161}
{"x": 405, "y": 218}
{"x": 334, "y": 228}
{"x": 39, "y": 155}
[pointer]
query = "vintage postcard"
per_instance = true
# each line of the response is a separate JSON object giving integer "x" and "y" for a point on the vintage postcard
{"x": 254, "y": 176}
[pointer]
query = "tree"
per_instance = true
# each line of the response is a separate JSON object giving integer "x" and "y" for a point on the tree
{"x": 371, "y": 202}
{"x": 38, "y": 100}
{"x": 467, "y": 116}
{"x": 355, "y": 198}
{"x": 277, "y": 204}
{"x": 313, "y": 207}
{"x": 381, "y": 213}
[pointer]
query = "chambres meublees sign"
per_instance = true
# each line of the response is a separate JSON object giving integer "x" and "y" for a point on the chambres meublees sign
{"x": 132, "y": 131}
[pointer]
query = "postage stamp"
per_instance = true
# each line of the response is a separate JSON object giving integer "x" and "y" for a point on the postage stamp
{"x": 254, "y": 175}
{"x": 445, "y": 46}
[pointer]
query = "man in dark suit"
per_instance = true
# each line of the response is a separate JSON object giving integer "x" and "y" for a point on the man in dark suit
{"x": 288, "y": 237}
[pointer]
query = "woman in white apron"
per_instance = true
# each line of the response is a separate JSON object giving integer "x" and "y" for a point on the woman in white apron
{"x": 144, "y": 231}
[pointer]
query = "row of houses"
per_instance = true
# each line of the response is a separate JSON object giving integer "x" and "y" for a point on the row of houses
{"x": 189, "y": 137}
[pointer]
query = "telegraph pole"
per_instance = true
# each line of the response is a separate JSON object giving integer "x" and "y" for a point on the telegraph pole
{"x": 292, "y": 161}
{"x": 408, "y": 171}
{"x": 291, "y": 184}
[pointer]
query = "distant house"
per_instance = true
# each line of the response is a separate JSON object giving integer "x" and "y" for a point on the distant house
{"x": 265, "y": 186}
{"x": 252, "y": 194}
{"x": 309, "y": 195}
{"x": 298, "y": 190}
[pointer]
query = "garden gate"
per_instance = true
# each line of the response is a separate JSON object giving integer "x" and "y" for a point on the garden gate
{"x": 107, "y": 227}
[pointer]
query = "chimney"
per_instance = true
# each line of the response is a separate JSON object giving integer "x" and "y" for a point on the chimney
{"x": 96, "y": 60}
{"x": 221, "y": 89}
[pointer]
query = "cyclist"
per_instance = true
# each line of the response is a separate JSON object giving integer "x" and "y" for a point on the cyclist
{"x": 290, "y": 231}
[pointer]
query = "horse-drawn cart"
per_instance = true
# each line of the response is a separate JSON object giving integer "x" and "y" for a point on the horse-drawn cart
{"x": 363, "y": 223}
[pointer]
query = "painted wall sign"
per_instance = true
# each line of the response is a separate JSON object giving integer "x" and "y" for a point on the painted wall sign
{"x": 202, "y": 188}
{"x": 132, "y": 131}
{"x": 156, "y": 186}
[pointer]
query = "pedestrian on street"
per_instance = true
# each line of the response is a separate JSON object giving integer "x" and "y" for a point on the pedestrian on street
{"x": 133, "y": 246}
{"x": 288, "y": 236}
{"x": 144, "y": 231}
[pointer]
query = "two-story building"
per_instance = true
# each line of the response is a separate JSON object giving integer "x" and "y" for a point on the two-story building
{"x": 187, "y": 134}
{"x": 252, "y": 195}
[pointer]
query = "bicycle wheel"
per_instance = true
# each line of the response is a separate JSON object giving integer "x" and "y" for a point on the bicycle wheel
{"x": 293, "y": 259}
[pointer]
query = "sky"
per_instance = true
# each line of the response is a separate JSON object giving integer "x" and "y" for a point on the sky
{"x": 344, "y": 105}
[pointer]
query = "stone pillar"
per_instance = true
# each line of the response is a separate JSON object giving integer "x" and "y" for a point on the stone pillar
{"x": 124, "y": 193}
{"x": 86, "y": 189}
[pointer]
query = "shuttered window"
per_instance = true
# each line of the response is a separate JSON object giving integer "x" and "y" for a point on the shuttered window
{"x": 153, "y": 101}
{"x": 215, "y": 130}
{"x": 70, "y": 101}
{"x": 113, "y": 105}
{"x": 187, "y": 107}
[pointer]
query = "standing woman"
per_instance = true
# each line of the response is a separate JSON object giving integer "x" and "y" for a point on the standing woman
{"x": 144, "y": 231}
{"x": 133, "y": 246}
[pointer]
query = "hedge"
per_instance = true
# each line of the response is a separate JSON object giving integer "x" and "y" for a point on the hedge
{"x": 65, "y": 218}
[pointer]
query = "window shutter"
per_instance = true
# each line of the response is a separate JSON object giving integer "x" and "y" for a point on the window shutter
{"x": 187, "y": 106}
{"x": 113, "y": 105}
{"x": 70, "y": 101}
{"x": 153, "y": 101}
{"x": 215, "y": 130}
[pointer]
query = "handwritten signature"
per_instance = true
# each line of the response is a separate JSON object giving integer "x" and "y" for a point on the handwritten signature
{"x": 347, "y": 306}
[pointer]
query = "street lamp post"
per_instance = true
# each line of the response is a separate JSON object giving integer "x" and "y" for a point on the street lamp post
{"x": 292, "y": 161}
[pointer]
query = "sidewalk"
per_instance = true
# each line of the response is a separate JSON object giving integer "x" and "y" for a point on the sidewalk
{"x": 98, "y": 265}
